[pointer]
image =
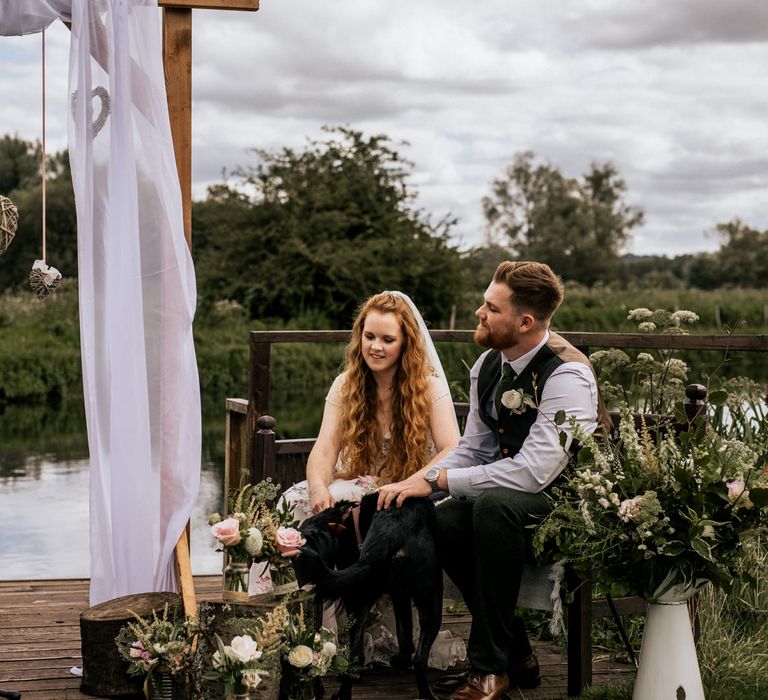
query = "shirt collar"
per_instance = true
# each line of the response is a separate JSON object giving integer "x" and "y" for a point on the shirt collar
{"x": 521, "y": 362}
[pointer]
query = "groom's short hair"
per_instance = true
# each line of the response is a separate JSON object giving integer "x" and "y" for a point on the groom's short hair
{"x": 535, "y": 288}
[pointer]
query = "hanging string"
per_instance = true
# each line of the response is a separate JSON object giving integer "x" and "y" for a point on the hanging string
{"x": 43, "y": 169}
{"x": 43, "y": 279}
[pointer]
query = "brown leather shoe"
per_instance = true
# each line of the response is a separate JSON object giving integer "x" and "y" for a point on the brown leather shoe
{"x": 524, "y": 673}
{"x": 481, "y": 687}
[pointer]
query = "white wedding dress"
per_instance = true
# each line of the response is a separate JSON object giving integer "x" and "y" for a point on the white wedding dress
{"x": 379, "y": 639}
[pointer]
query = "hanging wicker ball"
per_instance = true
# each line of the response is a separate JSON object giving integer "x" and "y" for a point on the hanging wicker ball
{"x": 43, "y": 279}
{"x": 9, "y": 221}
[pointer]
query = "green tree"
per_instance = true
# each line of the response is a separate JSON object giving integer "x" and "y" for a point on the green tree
{"x": 315, "y": 231}
{"x": 22, "y": 159}
{"x": 579, "y": 226}
{"x": 19, "y": 163}
{"x": 743, "y": 256}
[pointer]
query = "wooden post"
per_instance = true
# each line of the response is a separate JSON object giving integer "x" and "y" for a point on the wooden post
{"x": 258, "y": 392}
{"x": 177, "y": 59}
{"x": 263, "y": 464}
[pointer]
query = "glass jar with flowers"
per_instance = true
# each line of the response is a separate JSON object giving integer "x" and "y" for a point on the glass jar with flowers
{"x": 241, "y": 538}
{"x": 160, "y": 648}
{"x": 309, "y": 653}
{"x": 238, "y": 665}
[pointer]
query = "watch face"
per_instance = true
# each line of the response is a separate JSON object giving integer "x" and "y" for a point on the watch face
{"x": 432, "y": 474}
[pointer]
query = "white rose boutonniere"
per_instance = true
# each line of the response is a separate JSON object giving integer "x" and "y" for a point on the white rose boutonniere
{"x": 512, "y": 399}
{"x": 517, "y": 401}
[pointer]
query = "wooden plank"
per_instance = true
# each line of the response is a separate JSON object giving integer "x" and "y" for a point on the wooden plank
{"x": 592, "y": 340}
{"x": 245, "y": 5}
{"x": 35, "y": 660}
{"x": 177, "y": 61}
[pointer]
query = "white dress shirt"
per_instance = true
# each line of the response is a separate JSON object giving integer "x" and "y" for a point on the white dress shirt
{"x": 475, "y": 464}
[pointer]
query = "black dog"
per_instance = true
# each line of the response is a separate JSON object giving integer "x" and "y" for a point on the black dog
{"x": 398, "y": 556}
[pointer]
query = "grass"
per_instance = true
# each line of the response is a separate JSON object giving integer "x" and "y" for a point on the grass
{"x": 733, "y": 643}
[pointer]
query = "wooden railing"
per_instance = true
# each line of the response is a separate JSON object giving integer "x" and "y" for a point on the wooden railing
{"x": 241, "y": 430}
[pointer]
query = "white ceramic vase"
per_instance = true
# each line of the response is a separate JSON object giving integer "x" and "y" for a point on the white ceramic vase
{"x": 668, "y": 667}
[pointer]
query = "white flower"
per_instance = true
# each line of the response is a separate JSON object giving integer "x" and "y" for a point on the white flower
{"x": 512, "y": 400}
{"x": 639, "y": 314}
{"x": 254, "y": 541}
{"x": 300, "y": 656}
{"x": 218, "y": 662}
{"x": 647, "y": 326}
{"x": 684, "y": 316}
{"x": 243, "y": 649}
{"x": 708, "y": 531}
{"x": 329, "y": 649}
{"x": 251, "y": 678}
{"x": 644, "y": 357}
{"x": 603, "y": 502}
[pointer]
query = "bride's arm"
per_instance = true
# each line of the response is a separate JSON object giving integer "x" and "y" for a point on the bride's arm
{"x": 322, "y": 459}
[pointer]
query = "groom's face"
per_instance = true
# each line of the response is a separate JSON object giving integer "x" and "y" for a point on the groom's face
{"x": 499, "y": 320}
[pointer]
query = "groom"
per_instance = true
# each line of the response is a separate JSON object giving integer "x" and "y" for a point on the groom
{"x": 501, "y": 471}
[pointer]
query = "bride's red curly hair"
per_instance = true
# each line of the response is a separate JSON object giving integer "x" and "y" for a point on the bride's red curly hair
{"x": 410, "y": 444}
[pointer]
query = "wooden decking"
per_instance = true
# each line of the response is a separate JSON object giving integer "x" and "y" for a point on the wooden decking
{"x": 40, "y": 642}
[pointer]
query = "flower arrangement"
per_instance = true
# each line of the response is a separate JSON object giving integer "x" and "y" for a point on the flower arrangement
{"x": 238, "y": 664}
{"x": 656, "y": 513}
{"x": 157, "y": 643}
{"x": 262, "y": 529}
{"x": 651, "y": 382}
{"x": 309, "y": 654}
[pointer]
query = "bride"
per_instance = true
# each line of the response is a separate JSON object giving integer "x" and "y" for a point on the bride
{"x": 388, "y": 415}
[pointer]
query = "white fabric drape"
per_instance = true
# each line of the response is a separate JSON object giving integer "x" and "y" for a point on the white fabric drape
{"x": 137, "y": 294}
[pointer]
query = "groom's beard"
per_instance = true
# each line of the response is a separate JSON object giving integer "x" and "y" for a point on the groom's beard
{"x": 499, "y": 340}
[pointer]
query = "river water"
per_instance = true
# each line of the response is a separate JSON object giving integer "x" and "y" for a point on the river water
{"x": 44, "y": 479}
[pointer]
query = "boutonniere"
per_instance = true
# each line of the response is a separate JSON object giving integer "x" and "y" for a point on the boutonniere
{"x": 517, "y": 401}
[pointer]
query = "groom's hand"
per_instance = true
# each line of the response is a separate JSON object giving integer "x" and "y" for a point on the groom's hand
{"x": 413, "y": 487}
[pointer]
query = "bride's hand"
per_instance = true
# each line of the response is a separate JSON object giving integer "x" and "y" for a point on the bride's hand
{"x": 320, "y": 498}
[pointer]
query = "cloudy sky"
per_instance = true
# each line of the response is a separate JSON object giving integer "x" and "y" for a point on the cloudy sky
{"x": 674, "y": 93}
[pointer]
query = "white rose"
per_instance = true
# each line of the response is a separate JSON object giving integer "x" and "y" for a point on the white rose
{"x": 243, "y": 649}
{"x": 512, "y": 399}
{"x": 329, "y": 649}
{"x": 254, "y": 541}
{"x": 251, "y": 678}
{"x": 300, "y": 656}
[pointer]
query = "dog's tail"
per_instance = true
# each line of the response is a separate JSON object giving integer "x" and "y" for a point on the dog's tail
{"x": 348, "y": 586}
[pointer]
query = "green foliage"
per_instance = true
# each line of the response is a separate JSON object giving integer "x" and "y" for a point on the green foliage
{"x": 324, "y": 228}
{"x": 652, "y": 512}
{"x": 577, "y": 226}
{"x": 21, "y": 182}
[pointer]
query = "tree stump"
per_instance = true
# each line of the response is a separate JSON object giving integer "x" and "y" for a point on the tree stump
{"x": 105, "y": 672}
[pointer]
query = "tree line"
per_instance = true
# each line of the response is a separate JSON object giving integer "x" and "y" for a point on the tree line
{"x": 307, "y": 233}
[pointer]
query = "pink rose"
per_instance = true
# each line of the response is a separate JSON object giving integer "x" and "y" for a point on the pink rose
{"x": 289, "y": 541}
{"x": 227, "y": 532}
{"x": 738, "y": 494}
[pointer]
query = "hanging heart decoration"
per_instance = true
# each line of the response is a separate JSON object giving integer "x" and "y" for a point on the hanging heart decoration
{"x": 9, "y": 222}
{"x": 106, "y": 107}
{"x": 43, "y": 279}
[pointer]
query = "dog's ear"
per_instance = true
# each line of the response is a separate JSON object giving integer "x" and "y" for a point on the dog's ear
{"x": 336, "y": 529}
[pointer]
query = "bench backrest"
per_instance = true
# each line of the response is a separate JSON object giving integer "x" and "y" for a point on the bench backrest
{"x": 285, "y": 461}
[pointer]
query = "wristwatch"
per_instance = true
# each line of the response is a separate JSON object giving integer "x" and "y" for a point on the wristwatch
{"x": 431, "y": 476}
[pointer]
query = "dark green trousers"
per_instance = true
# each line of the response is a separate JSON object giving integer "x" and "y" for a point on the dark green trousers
{"x": 483, "y": 544}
